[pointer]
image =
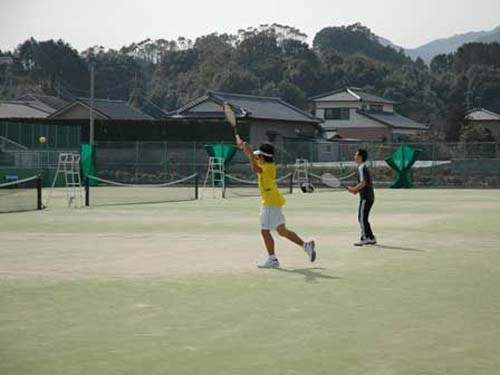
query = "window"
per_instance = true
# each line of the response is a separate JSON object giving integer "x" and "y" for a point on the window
{"x": 337, "y": 114}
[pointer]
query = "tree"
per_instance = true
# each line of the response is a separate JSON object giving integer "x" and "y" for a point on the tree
{"x": 292, "y": 94}
{"x": 358, "y": 39}
{"x": 476, "y": 54}
{"x": 238, "y": 81}
{"x": 302, "y": 66}
{"x": 53, "y": 63}
{"x": 261, "y": 55}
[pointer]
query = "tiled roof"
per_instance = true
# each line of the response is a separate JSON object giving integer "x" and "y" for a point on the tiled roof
{"x": 257, "y": 107}
{"x": 394, "y": 120}
{"x": 50, "y": 101}
{"x": 111, "y": 109}
{"x": 357, "y": 94}
{"x": 19, "y": 109}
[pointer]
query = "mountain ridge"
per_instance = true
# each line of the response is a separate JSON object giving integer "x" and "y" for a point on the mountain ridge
{"x": 448, "y": 45}
{"x": 445, "y": 45}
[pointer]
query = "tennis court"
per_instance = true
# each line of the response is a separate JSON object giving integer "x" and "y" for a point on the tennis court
{"x": 172, "y": 288}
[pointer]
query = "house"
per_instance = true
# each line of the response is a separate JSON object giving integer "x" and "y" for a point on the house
{"x": 353, "y": 113}
{"x": 488, "y": 119}
{"x": 264, "y": 118}
{"x": 104, "y": 109}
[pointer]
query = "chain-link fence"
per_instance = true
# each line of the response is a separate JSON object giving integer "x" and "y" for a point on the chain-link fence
{"x": 28, "y": 134}
{"x": 461, "y": 165}
{"x": 439, "y": 164}
{"x": 22, "y": 164}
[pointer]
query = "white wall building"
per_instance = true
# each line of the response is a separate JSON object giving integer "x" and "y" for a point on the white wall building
{"x": 355, "y": 114}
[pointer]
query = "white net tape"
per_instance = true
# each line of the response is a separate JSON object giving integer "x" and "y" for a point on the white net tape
{"x": 167, "y": 184}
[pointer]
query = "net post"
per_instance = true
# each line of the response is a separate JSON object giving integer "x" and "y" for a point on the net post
{"x": 39, "y": 204}
{"x": 291, "y": 183}
{"x": 196, "y": 181}
{"x": 87, "y": 191}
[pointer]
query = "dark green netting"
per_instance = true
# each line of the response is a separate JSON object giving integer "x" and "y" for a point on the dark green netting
{"x": 88, "y": 162}
{"x": 401, "y": 161}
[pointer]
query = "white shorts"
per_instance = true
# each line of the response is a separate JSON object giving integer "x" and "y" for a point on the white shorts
{"x": 271, "y": 218}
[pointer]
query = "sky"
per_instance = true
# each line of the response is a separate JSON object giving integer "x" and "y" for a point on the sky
{"x": 113, "y": 24}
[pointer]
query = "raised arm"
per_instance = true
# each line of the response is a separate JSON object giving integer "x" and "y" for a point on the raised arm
{"x": 248, "y": 150}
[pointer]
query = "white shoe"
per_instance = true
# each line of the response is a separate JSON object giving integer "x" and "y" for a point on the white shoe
{"x": 372, "y": 241}
{"x": 310, "y": 249}
{"x": 269, "y": 263}
{"x": 362, "y": 243}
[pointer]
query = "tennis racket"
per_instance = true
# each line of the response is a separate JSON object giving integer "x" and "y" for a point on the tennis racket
{"x": 231, "y": 118}
{"x": 330, "y": 180}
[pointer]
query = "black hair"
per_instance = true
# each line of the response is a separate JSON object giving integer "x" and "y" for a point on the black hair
{"x": 363, "y": 153}
{"x": 268, "y": 148}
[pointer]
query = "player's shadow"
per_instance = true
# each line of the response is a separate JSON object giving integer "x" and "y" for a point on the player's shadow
{"x": 311, "y": 275}
{"x": 399, "y": 248}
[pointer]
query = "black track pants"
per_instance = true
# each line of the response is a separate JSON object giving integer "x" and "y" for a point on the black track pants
{"x": 365, "y": 205}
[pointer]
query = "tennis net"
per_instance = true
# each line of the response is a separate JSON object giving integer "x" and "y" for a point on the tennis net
{"x": 103, "y": 192}
{"x": 318, "y": 184}
{"x": 21, "y": 195}
{"x": 235, "y": 187}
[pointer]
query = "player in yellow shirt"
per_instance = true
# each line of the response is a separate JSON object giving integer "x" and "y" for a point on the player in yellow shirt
{"x": 271, "y": 216}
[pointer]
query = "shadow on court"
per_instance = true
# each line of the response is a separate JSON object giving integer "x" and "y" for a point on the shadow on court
{"x": 311, "y": 275}
{"x": 400, "y": 248}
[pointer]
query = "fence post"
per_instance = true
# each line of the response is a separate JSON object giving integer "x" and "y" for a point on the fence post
{"x": 165, "y": 160}
{"x": 39, "y": 204}
{"x": 433, "y": 158}
{"x": 33, "y": 136}
{"x": 87, "y": 191}
{"x": 194, "y": 157}
{"x": 136, "y": 158}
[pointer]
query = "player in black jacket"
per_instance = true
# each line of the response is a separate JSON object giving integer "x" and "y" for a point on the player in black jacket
{"x": 364, "y": 187}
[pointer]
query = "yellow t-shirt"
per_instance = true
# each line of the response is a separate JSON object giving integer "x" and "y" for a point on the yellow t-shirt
{"x": 271, "y": 196}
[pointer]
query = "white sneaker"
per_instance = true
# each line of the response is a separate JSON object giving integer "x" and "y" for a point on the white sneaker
{"x": 269, "y": 263}
{"x": 372, "y": 241}
{"x": 362, "y": 243}
{"x": 310, "y": 249}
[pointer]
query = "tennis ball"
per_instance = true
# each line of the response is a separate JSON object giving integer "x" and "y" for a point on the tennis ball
{"x": 42, "y": 140}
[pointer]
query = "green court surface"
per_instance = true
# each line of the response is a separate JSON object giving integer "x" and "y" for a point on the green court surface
{"x": 172, "y": 288}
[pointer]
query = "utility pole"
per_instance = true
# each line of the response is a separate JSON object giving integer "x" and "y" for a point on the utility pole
{"x": 91, "y": 132}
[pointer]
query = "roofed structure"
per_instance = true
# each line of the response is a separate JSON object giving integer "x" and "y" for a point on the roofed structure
{"x": 103, "y": 109}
